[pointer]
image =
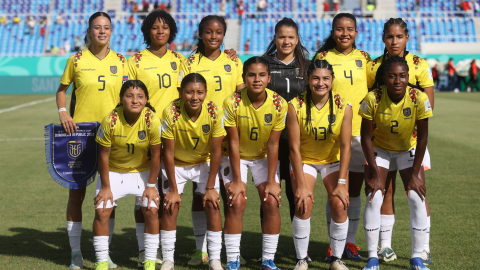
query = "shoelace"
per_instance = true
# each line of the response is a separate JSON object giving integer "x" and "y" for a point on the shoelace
{"x": 353, "y": 248}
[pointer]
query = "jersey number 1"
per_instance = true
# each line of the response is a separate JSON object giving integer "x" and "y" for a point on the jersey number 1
{"x": 128, "y": 148}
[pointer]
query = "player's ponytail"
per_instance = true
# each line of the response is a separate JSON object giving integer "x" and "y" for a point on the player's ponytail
{"x": 299, "y": 52}
{"x": 201, "y": 27}
{"x": 329, "y": 42}
{"x": 322, "y": 64}
{"x": 386, "y": 66}
{"x": 87, "y": 39}
{"x": 135, "y": 84}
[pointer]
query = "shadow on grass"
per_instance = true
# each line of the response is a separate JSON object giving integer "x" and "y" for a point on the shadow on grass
{"x": 54, "y": 247}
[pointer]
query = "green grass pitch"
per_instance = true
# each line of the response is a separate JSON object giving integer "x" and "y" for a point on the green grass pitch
{"x": 32, "y": 206}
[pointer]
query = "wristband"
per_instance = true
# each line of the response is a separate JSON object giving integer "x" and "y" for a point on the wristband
{"x": 62, "y": 109}
{"x": 150, "y": 185}
{"x": 342, "y": 181}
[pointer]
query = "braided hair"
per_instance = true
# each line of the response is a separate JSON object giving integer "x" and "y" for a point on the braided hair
{"x": 162, "y": 16}
{"x": 322, "y": 64}
{"x": 299, "y": 52}
{"x": 386, "y": 26}
{"x": 386, "y": 66}
{"x": 201, "y": 27}
{"x": 135, "y": 84}
{"x": 329, "y": 43}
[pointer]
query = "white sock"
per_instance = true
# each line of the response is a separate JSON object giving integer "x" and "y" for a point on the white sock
{"x": 328, "y": 215}
{"x": 199, "y": 220}
{"x": 354, "y": 211}
{"x": 74, "y": 230}
{"x": 111, "y": 227}
{"x": 100, "y": 244}
{"x": 301, "y": 236}
{"x": 151, "y": 246}
{"x": 214, "y": 244}
{"x": 232, "y": 246}
{"x": 168, "y": 244}
{"x": 426, "y": 246}
{"x": 338, "y": 237}
{"x": 418, "y": 223}
{"x": 386, "y": 229}
{"x": 371, "y": 222}
{"x": 269, "y": 246}
{"x": 140, "y": 228}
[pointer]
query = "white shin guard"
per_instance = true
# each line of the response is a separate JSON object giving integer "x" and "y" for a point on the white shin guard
{"x": 371, "y": 222}
{"x": 418, "y": 223}
{"x": 301, "y": 236}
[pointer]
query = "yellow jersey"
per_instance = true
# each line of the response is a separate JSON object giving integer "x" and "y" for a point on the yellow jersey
{"x": 129, "y": 144}
{"x": 96, "y": 84}
{"x": 192, "y": 138}
{"x": 394, "y": 127}
{"x": 350, "y": 81}
{"x": 317, "y": 145}
{"x": 223, "y": 74}
{"x": 159, "y": 74}
{"x": 418, "y": 71}
{"x": 254, "y": 124}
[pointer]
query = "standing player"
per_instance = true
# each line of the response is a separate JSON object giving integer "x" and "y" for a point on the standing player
{"x": 223, "y": 76}
{"x": 158, "y": 67}
{"x": 97, "y": 74}
{"x": 286, "y": 56}
{"x": 254, "y": 120}
{"x": 395, "y": 37}
{"x": 129, "y": 163}
{"x": 192, "y": 131}
{"x": 319, "y": 139}
{"x": 350, "y": 67}
{"x": 394, "y": 130}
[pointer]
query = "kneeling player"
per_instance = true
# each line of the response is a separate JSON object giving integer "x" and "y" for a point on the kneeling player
{"x": 319, "y": 132}
{"x": 395, "y": 130}
{"x": 129, "y": 139}
{"x": 192, "y": 131}
{"x": 254, "y": 119}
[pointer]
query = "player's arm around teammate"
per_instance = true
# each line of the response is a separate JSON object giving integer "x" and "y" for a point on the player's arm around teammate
{"x": 97, "y": 74}
{"x": 350, "y": 67}
{"x": 254, "y": 119}
{"x": 395, "y": 36}
{"x": 192, "y": 131}
{"x": 400, "y": 116}
{"x": 126, "y": 137}
{"x": 319, "y": 131}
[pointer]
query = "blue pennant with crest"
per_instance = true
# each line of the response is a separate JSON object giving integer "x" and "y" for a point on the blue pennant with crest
{"x": 72, "y": 159}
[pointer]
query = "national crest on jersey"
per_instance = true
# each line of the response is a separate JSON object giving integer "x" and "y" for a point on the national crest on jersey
{"x": 317, "y": 144}
{"x": 129, "y": 144}
{"x": 192, "y": 138}
{"x": 395, "y": 123}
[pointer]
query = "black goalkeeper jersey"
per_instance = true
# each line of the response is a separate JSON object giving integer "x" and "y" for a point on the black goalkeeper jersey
{"x": 286, "y": 81}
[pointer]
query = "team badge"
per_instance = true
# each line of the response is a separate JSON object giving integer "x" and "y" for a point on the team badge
{"x": 268, "y": 117}
{"x": 75, "y": 149}
{"x": 407, "y": 112}
{"x": 173, "y": 65}
{"x": 113, "y": 69}
{"x": 206, "y": 128}
{"x": 228, "y": 68}
{"x": 142, "y": 135}
{"x": 359, "y": 63}
{"x": 226, "y": 171}
{"x": 332, "y": 118}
